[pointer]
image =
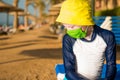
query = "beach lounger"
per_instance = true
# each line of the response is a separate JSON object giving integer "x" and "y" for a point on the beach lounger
{"x": 60, "y": 72}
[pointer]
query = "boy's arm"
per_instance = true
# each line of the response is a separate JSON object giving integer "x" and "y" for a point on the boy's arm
{"x": 111, "y": 58}
{"x": 69, "y": 60}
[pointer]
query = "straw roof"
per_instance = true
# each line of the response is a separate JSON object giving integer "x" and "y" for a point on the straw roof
{"x": 8, "y": 8}
{"x": 53, "y": 13}
{"x": 57, "y": 5}
{"x": 20, "y": 13}
{"x": 55, "y": 9}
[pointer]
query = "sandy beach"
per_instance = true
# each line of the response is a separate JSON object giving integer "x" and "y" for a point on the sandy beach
{"x": 31, "y": 55}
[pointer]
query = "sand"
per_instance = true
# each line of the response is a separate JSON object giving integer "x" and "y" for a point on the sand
{"x": 31, "y": 55}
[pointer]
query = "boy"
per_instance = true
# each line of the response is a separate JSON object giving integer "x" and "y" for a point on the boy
{"x": 85, "y": 46}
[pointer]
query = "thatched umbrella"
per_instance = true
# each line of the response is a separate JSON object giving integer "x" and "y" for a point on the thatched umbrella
{"x": 30, "y": 16}
{"x": 55, "y": 9}
{"x": 53, "y": 12}
{"x": 57, "y": 5}
{"x": 8, "y": 8}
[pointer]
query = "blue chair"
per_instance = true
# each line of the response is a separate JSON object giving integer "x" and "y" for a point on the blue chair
{"x": 60, "y": 72}
{"x": 115, "y": 25}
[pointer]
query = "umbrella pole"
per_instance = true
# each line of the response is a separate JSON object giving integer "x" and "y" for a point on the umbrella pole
{"x": 7, "y": 18}
{"x": 93, "y": 7}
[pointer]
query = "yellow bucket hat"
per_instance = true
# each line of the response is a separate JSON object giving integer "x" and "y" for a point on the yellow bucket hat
{"x": 77, "y": 12}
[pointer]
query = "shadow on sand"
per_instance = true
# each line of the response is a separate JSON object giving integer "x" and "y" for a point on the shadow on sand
{"x": 27, "y": 41}
{"x": 17, "y": 46}
{"x": 44, "y": 53}
{"x": 5, "y": 38}
{"x": 18, "y": 60}
{"x": 48, "y": 37}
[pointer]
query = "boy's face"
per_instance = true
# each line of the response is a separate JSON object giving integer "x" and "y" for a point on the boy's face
{"x": 72, "y": 27}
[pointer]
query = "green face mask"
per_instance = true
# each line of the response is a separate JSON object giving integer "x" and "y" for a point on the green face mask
{"x": 77, "y": 33}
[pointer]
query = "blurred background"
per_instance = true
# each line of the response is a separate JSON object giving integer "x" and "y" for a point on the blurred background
{"x": 31, "y": 39}
{"x": 27, "y": 14}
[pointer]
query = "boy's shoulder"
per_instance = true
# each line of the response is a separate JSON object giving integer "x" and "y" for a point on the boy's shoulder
{"x": 104, "y": 32}
{"x": 67, "y": 38}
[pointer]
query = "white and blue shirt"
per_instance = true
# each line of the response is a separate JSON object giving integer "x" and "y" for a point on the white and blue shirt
{"x": 83, "y": 59}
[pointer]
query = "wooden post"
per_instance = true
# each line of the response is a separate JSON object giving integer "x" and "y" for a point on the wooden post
{"x": 26, "y": 15}
{"x": 15, "y": 24}
{"x": 93, "y": 7}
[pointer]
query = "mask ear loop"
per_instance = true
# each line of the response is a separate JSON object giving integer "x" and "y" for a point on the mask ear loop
{"x": 86, "y": 29}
